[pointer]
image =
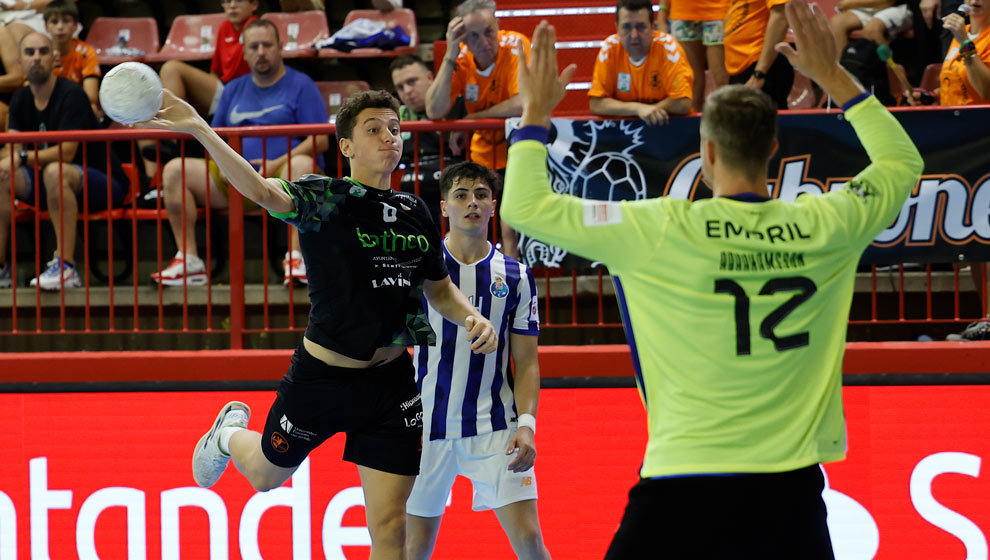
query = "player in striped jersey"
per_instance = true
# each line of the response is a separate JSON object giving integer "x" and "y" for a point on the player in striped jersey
{"x": 478, "y": 419}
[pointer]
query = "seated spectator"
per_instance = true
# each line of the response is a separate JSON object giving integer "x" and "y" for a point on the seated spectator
{"x": 480, "y": 67}
{"x": 271, "y": 94}
{"x": 412, "y": 78}
{"x": 880, "y": 20}
{"x": 965, "y": 75}
{"x": 52, "y": 103}
{"x": 639, "y": 71}
{"x": 698, "y": 25}
{"x": 78, "y": 61}
{"x": 23, "y": 16}
{"x": 11, "y": 76}
{"x": 752, "y": 28}
{"x": 202, "y": 90}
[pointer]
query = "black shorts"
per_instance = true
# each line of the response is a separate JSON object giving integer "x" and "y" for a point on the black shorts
{"x": 379, "y": 409}
{"x": 759, "y": 516}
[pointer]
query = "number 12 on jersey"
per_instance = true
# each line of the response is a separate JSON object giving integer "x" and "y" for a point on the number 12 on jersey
{"x": 804, "y": 288}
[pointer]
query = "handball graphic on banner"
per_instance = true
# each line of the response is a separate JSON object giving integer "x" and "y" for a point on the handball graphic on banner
{"x": 131, "y": 92}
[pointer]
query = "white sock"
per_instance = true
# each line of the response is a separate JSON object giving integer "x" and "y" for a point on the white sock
{"x": 225, "y": 435}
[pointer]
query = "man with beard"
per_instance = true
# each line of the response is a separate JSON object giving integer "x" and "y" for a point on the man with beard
{"x": 59, "y": 171}
{"x": 271, "y": 94}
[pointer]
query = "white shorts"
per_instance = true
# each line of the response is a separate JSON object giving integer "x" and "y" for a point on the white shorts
{"x": 481, "y": 459}
{"x": 897, "y": 19}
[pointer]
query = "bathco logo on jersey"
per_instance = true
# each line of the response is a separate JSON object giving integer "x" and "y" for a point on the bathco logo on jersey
{"x": 391, "y": 242}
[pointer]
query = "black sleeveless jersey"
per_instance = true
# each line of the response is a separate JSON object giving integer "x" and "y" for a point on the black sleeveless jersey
{"x": 367, "y": 252}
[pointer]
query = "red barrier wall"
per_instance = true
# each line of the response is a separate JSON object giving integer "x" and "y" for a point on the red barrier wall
{"x": 99, "y": 475}
{"x": 555, "y": 361}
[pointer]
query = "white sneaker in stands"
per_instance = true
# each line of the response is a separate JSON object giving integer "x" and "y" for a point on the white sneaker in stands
{"x": 57, "y": 274}
{"x": 189, "y": 270}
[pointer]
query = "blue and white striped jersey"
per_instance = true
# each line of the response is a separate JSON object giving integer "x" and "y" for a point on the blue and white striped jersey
{"x": 467, "y": 394}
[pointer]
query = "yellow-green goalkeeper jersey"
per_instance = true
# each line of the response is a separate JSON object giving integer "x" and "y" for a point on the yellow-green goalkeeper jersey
{"x": 735, "y": 311}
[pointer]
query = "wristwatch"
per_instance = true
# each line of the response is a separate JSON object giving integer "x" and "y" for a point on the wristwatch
{"x": 23, "y": 154}
{"x": 759, "y": 75}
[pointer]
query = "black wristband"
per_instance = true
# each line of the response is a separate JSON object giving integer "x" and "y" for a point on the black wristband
{"x": 759, "y": 75}
{"x": 530, "y": 132}
{"x": 856, "y": 100}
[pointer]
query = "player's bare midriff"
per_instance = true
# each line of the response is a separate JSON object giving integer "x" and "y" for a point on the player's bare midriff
{"x": 331, "y": 358}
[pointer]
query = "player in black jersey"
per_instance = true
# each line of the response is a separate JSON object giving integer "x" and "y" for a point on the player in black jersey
{"x": 372, "y": 253}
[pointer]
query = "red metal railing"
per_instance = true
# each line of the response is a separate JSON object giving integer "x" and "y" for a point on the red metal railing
{"x": 130, "y": 303}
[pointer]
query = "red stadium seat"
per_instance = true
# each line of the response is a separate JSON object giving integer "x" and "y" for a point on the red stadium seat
{"x": 403, "y": 16}
{"x": 300, "y": 31}
{"x": 574, "y": 103}
{"x": 582, "y": 53}
{"x": 579, "y": 20}
{"x": 335, "y": 93}
{"x": 191, "y": 37}
{"x": 140, "y": 33}
{"x": 439, "y": 50}
{"x": 528, "y": 5}
{"x": 930, "y": 79}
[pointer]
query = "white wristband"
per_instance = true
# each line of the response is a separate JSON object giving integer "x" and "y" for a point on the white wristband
{"x": 527, "y": 420}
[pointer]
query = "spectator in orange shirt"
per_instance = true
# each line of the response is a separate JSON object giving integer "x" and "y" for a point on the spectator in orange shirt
{"x": 639, "y": 71}
{"x": 752, "y": 28}
{"x": 78, "y": 60}
{"x": 480, "y": 66}
{"x": 699, "y": 26}
{"x": 965, "y": 76}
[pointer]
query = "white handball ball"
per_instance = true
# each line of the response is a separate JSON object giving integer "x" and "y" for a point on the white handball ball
{"x": 131, "y": 92}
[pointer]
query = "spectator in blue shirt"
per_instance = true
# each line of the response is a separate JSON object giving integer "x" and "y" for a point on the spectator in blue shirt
{"x": 272, "y": 94}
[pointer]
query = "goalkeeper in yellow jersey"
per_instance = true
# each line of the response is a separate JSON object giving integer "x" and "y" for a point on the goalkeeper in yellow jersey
{"x": 735, "y": 308}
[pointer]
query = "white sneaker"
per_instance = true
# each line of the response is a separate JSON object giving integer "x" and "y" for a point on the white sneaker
{"x": 57, "y": 274}
{"x": 182, "y": 270}
{"x": 294, "y": 268}
{"x": 5, "y": 281}
{"x": 208, "y": 461}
